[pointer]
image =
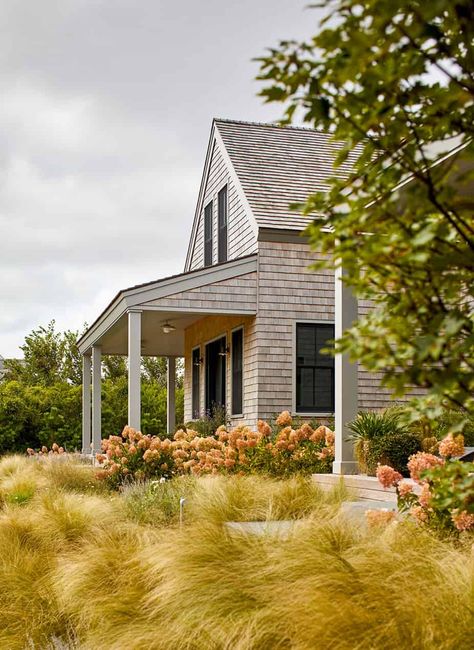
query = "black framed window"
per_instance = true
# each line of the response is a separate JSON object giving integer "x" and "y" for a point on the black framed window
{"x": 196, "y": 387}
{"x": 314, "y": 369}
{"x": 208, "y": 235}
{"x": 237, "y": 371}
{"x": 222, "y": 224}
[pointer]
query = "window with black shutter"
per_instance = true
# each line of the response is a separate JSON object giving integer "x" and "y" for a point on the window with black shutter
{"x": 314, "y": 368}
{"x": 237, "y": 372}
{"x": 196, "y": 387}
{"x": 222, "y": 224}
{"x": 208, "y": 235}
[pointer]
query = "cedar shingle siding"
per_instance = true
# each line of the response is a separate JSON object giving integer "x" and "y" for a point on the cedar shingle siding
{"x": 267, "y": 168}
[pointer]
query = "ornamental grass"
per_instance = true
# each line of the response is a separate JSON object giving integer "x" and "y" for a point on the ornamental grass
{"x": 85, "y": 571}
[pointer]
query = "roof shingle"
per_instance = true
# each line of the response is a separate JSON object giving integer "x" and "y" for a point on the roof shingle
{"x": 279, "y": 165}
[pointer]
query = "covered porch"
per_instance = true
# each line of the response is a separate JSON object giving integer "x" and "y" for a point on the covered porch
{"x": 151, "y": 320}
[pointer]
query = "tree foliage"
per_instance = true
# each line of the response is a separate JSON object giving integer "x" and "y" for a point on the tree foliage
{"x": 393, "y": 80}
{"x": 40, "y": 395}
{"x": 49, "y": 357}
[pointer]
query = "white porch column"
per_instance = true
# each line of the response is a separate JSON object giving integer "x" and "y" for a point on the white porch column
{"x": 134, "y": 368}
{"x": 86, "y": 404}
{"x": 345, "y": 379}
{"x": 96, "y": 398}
{"x": 171, "y": 395}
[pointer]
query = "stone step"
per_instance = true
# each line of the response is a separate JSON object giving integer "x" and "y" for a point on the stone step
{"x": 363, "y": 487}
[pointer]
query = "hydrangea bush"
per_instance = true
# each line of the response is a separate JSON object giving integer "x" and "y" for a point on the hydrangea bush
{"x": 279, "y": 450}
{"x": 441, "y": 493}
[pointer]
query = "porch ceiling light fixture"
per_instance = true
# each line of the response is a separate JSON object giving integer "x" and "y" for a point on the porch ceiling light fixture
{"x": 168, "y": 328}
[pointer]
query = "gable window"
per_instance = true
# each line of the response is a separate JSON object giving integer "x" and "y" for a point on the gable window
{"x": 314, "y": 369}
{"x": 222, "y": 224}
{"x": 196, "y": 383}
{"x": 208, "y": 234}
{"x": 237, "y": 371}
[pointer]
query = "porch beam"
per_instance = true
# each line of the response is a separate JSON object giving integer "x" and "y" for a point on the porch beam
{"x": 346, "y": 389}
{"x": 134, "y": 368}
{"x": 86, "y": 404}
{"x": 171, "y": 395}
{"x": 96, "y": 398}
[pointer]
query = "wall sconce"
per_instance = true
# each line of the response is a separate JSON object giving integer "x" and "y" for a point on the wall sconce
{"x": 198, "y": 362}
{"x": 224, "y": 352}
{"x": 168, "y": 328}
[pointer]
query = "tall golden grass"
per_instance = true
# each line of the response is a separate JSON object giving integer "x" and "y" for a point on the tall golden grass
{"x": 91, "y": 572}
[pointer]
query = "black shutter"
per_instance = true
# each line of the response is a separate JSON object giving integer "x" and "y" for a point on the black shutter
{"x": 314, "y": 369}
{"x": 237, "y": 372}
{"x": 208, "y": 235}
{"x": 222, "y": 224}
{"x": 196, "y": 387}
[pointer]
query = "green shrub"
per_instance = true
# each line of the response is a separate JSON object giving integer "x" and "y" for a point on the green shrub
{"x": 382, "y": 435}
{"x": 393, "y": 449}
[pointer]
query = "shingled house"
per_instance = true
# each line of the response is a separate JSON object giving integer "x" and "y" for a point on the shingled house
{"x": 247, "y": 314}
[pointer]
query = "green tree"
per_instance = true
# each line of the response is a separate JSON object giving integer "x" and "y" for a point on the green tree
{"x": 393, "y": 80}
{"x": 40, "y": 396}
{"x": 49, "y": 357}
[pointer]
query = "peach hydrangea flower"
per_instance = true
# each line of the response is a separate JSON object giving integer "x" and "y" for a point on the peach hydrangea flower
{"x": 329, "y": 437}
{"x": 451, "y": 446}
{"x": 425, "y": 495}
{"x": 404, "y": 488}
{"x": 421, "y": 461}
{"x": 377, "y": 518}
{"x": 463, "y": 520}
{"x": 284, "y": 419}
{"x": 419, "y": 513}
{"x": 387, "y": 476}
{"x": 306, "y": 431}
{"x": 264, "y": 428}
{"x": 318, "y": 434}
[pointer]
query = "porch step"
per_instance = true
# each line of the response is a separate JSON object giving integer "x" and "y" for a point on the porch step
{"x": 364, "y": 488}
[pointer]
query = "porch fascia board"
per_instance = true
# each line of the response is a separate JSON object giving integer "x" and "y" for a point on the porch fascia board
{"x": 191, "y": 280}
{"x": 136, "y": 298}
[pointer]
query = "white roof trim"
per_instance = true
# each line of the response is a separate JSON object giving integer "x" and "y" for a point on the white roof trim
{"x": 138, "y": 296}
{"x": 216, "y": 140}
{"x": 236, "y": 181}
{"x": 197, "y": 214}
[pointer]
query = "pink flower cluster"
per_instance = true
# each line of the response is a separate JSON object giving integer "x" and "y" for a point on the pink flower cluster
{"x": 237, "y": 450}
{"x": 463, "y": 520}
{"x": 387, "y": 476}
{"x": 451, "y": 446}
{"x": 378, "y": 518}
{"x": 420, "y": 462}
{"x": 55, "y": 450}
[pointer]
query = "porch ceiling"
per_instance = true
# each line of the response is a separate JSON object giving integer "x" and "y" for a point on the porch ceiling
{"x": 229, "y": 288}
{"x": 154, "y": 342}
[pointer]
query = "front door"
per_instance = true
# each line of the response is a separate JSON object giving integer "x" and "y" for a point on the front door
{"x": 215, "y": 373}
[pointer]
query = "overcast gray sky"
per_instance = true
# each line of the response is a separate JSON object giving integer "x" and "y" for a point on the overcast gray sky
{"x": 105, "y": 112}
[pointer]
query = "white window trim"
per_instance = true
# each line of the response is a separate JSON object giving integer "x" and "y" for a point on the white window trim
{"x": 296, "y": 322}
{"x": 237, "y": 416}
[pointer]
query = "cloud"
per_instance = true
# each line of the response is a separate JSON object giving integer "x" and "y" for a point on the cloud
{"x": 105, "y": 114}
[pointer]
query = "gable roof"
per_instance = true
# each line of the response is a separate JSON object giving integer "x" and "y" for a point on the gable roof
{"x": 280, "y": 165}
